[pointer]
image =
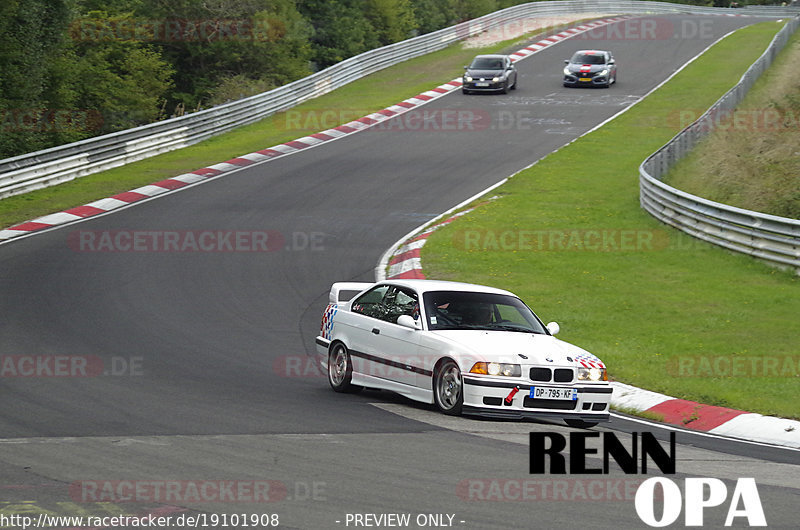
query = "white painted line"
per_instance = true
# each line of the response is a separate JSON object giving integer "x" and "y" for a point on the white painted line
{"x": 405, "y": 266}
{"x": 108, "y": 203}
{"x": 190, "y": 178}
{"x": 223, "y": 166}
{"x": 150, "y": 190}
{"x": 56, "y": 218}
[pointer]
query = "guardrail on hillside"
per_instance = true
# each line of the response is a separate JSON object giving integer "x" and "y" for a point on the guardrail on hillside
{"x": 769, "y": 237}
{"x": 60, "y": 164}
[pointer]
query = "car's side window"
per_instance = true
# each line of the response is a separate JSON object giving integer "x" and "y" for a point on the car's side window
{"x": 398, "y": 302}
{"x": 371, "y": 302}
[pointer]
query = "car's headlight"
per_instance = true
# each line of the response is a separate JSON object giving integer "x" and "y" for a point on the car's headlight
{"x": 506, "y": 369}
{"x": 468, "y": 78}
{"x": 496, "y": 78}
{"x": 592, "y": 374}
{"x": 603, "y": 72}
{"x": 566, "y": 71}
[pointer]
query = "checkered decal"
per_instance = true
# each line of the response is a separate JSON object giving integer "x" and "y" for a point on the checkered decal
{"x": 587, "y": 360}
{"x": 326, "y": 328}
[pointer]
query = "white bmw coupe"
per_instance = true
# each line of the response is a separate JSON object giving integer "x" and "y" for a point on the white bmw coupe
{"x": 467, "y": 348}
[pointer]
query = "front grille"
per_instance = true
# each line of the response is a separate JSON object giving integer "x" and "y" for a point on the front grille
{"x": 557, "y": 404}
{"x": 541, "y": 374}
{"x": 599, "y": 406}
{"x": 563, "y": 375}
{"x": 492, "y": 401}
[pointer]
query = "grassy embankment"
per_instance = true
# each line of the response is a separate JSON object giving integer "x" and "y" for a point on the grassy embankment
{"x": 752, "y": 159}
{"x": 352, "y": 101}
{"x": 664, "y": 311}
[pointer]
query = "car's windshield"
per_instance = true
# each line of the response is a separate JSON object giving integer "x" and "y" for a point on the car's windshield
{"x": 486, "y": 63}
{"x": 470, "y": 310}
{"x": 586, "y": 58}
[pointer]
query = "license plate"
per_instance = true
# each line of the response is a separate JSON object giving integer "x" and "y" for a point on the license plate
{"x": 481, "y": 84}
{"x": 585, "y": 79}
{"x": 548, "y": 392}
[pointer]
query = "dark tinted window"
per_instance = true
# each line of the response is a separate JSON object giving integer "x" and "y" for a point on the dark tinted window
{"x": 485, "y": 63}
{"x": 585, "y": 58}
{"x": 387, "y": 303}
{"x": 371, "y": 302}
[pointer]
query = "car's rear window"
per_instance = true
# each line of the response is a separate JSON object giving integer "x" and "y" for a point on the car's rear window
{"x": 585, "y": 58}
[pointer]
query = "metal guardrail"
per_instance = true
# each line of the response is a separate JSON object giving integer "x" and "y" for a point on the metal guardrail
{"x": 768, "y": 237}
{"x": 60, "y": 164}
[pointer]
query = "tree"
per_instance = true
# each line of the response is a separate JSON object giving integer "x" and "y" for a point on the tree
{"x": 31, "y": 38}
{"x": 341, "y": 30}
{"x": 393, "y": 20}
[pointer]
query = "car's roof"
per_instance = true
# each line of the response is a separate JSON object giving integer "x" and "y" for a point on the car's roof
{"x": 592, "y": 52}
{"x": 491, "y": 56}
{"x": 441, "y": 285}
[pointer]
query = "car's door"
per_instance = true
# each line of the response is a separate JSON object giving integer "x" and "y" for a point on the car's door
{"x": 401, "y": 344}
{"x": 385, "y": 349}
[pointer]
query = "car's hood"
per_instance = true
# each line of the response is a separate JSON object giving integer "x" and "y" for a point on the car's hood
{"x": 484, "y": 73}
{"x": 504, "y": 346}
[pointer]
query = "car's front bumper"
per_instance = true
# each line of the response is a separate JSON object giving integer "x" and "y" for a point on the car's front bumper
{"x": 487, "y": 397}
{"x": 483, "y": 86}
{"x": 578, "y": 80}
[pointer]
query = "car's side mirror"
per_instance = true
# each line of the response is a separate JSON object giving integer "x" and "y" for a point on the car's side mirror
{"x": 466, "y": 67}
{"x": 612, "y": 61}
{"x": 408, "y": 322}
{"x": 552, "y": 327}
{"x": 566, "y": 61}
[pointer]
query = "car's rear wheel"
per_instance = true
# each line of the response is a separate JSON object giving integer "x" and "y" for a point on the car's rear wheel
{"x": 340, "y": 369}
{"x": 580, "y": 424}
{"x": 448, "y": 388}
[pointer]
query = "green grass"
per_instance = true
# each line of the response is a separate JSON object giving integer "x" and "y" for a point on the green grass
{"x": 751, "y": 161}
{"x": 647, "y": 304}
{"x": 654, "y": 416}
{"x": 354, "y": 100}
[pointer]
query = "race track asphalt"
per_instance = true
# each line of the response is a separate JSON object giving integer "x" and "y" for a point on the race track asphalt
{"x": 212, "y": 347}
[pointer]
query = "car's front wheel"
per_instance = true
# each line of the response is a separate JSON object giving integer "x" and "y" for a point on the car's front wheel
{"x": 448, "y": 388}
{"x": 464, "y": 91}
{"x": 340, "y": 369}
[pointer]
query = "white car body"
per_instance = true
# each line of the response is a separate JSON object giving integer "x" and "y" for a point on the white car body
{"x": 417, "y": 358}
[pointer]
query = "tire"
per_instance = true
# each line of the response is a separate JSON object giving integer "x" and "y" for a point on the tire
{"x": 516, "y": 81}
{"x": 448, "y": 388}
{"x": 580, "y": 424}
{"x": 464, "y": 91}
{"x": 505, "y": 88}
{"x": 340, "y": 369}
